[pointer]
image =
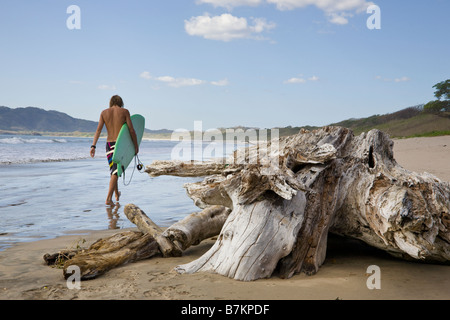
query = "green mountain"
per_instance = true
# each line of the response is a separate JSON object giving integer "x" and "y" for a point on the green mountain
{"x": 39, "y": 120}
{"x": 408, "y": 122}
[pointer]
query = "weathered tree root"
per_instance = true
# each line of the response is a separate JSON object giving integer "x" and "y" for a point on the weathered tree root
{"x": 131, "y": 246}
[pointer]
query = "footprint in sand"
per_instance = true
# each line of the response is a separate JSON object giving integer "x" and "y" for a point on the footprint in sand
{"x": 168, "y": 292}
{"x": 160, "y": 276}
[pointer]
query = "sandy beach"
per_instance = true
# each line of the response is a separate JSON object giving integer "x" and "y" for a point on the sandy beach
{"x": 24, "y": 275}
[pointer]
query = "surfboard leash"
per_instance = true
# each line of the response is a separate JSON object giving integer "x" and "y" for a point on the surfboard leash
{"x": 139, "y": 166}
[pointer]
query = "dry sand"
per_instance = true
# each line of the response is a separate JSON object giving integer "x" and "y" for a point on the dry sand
{"x": 23, "y": 274}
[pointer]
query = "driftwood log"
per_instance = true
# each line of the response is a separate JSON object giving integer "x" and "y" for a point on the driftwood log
{"x": 187, "y": 232}
{"x": 108, "y": 253}
{"x": 273, "y": 205}
{"x": 131, "y": 246}
{"x": 285, "y": 203}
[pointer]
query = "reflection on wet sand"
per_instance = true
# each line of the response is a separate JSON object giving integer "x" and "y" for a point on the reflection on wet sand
{"x": 113, "y": 215}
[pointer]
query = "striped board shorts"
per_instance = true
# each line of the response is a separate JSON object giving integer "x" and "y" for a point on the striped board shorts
{"x": 109, "y": 154}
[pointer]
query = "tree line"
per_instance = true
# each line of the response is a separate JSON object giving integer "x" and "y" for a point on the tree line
{"x": 442, "y": 93}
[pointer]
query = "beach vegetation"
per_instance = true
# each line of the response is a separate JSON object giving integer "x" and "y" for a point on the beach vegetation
{"x": 442, "y": 104}
{"x": 437, "y": 106}
{"x": 442, "y": 90}
{"x": 435, "y": 133}
{"x": 68, "y": 253}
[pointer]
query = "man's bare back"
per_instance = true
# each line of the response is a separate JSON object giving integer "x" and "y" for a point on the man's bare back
{"x": 114, "y": 118}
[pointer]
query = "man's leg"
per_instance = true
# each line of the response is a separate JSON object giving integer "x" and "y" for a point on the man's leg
{"x": 112, "y": 187}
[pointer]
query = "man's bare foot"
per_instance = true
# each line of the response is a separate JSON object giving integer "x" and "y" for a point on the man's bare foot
{"x": 118, "y": 194}
{"x": 109, "y": 203}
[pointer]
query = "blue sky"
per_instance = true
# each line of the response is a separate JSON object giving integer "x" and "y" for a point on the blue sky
{"x": 260, "y": 63}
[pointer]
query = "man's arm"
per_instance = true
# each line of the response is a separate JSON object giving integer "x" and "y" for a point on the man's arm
{"x": 132, "y": 132}
{"x": 101, "y": 123}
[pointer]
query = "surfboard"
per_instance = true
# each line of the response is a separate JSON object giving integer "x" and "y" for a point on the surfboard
{"x": 124, "y": 150}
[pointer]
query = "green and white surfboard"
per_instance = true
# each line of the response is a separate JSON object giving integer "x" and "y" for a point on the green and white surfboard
{"x": 124, "y": 150}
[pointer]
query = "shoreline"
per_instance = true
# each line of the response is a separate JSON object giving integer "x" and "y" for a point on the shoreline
{"x": 157, "y": 137}
{"x": 87, "y": 135}
{"x": 344, "y": 275}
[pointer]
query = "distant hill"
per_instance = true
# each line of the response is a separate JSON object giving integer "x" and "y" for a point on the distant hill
{"x": 38, "y": 120}
{"x": 408, "y": 122}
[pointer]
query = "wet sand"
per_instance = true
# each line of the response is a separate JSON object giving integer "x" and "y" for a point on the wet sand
{"x": 23, "y": 274}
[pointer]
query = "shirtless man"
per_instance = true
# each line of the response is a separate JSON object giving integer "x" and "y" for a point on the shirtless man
{"x": 113, "y": 117}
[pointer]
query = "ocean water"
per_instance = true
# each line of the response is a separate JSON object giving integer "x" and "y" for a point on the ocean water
{"x": 50, "y": 186}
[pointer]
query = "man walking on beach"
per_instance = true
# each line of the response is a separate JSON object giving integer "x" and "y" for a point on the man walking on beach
{"x": 114, "y": 117}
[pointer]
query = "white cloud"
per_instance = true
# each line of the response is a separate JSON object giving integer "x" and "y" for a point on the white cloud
{"x": 180, "y": 82}
{"x": 177, "y": 82}
{"x": 166, "y": 79}
{"x": 325, "y": 5}
{"x": 337, "y": 11}
{"x": 220, "y": 83}
{"x": 229, "y": 4}
{"x": 145, "y": 75}
{"x": 402, "y": 79}
{"x": 301, "y": 79}
{"x": 295, "y": 80}
{"x": 226, "y": 27}
{"x": 337, "y": 18}
{"x": 106, "y": 87}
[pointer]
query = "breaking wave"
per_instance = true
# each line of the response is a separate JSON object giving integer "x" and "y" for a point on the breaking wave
{"x": 18, "y": 140}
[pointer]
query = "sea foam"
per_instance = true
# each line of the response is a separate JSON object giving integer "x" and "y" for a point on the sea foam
{"x": 19, "y": 140}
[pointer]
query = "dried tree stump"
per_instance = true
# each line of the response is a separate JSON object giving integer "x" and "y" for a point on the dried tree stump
{"x": 322, "y": 181}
